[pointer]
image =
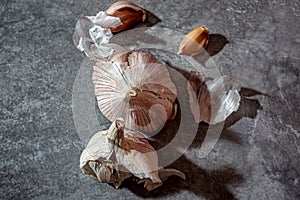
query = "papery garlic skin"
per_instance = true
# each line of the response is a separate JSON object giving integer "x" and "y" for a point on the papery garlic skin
{"x": 212, "y": 101}
{"x": 194, "y": 42}
{"x": 200, "y": 99}
{"x": 92, "y": 35}
{"x": 100, "y": 145}
{"x": 225, "y": 97}
{"x": 104, "y": 20}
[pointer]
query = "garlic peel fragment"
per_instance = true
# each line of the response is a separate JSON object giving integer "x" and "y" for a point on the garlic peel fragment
{"x": 105, "y": 21}
{"x": 131, "y": 15}
{"x": 92, "y": 35}
{"x": 225, "y": 97}
{"x": 214, "y": 100}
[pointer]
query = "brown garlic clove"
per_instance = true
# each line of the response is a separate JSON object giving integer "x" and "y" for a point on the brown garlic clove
{"x": 123, "y": 4}
{"x": 129, "y": 14}
{"x": 194, "y": 42}
{"x": 128, "y": 17}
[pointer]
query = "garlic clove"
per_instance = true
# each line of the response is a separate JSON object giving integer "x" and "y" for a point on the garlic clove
{"x": 124, "y": 4}
{"x": 139, "y": 157}
{"x": 194, "y": 42}
{"x": 128, "y": 17}
{"x": 129, "y": 14}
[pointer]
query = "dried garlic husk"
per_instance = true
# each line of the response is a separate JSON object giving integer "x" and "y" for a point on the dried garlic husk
{"x": 213, "y": 101}
{"x": 129, "y": 14}
{"x": 136, "y": 87}
{"x": 200, "y": 100}
{"x": 98, "y": 158}
{"x": 92, "y": 35}
{"x": 116, "y": 154}
{"x": 194, "y": 42}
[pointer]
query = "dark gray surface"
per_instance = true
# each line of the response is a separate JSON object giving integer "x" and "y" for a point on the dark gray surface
{"x": 257, "y": 157}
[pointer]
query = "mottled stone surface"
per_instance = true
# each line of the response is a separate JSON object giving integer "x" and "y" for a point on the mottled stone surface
{"x": 257, "y": 156}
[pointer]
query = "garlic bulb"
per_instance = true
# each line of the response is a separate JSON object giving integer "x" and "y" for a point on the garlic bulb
{"x": 116, "y": 154}
{"x": 136, "y": 87}
{"x": 212, "y": 101}
{"x": 194, "y": 42}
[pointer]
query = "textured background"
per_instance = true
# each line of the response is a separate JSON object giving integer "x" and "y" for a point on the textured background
{"x": 257, "y": 156}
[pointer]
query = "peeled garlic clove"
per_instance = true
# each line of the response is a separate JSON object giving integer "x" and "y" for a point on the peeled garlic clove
{"x": 194, "y": 42}
{"x": 129, "y": 14}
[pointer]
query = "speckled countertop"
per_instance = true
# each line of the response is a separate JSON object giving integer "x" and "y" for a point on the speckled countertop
{"x": 257, "y": 156}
